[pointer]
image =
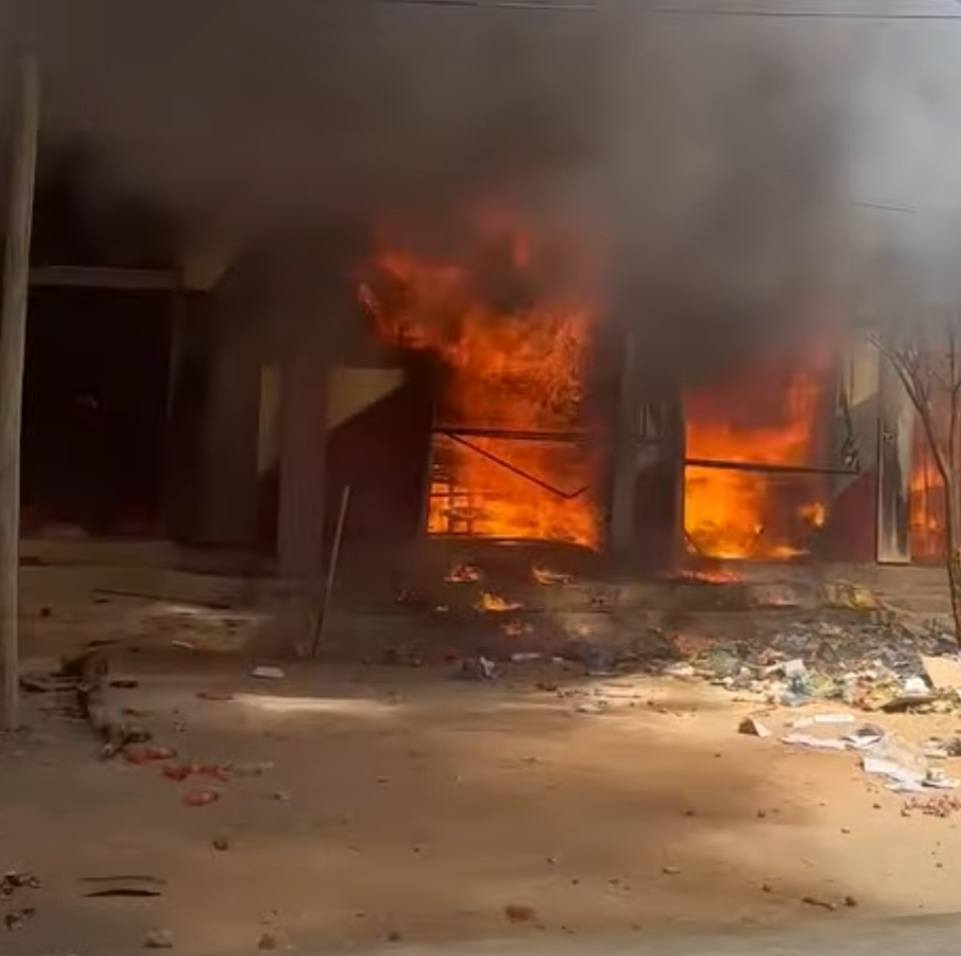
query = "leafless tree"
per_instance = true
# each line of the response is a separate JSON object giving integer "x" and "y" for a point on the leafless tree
{"x": 928, "y": 364}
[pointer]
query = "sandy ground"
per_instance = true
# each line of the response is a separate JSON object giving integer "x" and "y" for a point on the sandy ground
{"x": 404, "y": 803}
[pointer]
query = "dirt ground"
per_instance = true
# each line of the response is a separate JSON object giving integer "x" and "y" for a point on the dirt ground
{"x": 403, "y": 802}
{"x": 404, "y": 808}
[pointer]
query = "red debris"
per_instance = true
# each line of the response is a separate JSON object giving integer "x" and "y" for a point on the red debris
{"x": 200, "y": 798}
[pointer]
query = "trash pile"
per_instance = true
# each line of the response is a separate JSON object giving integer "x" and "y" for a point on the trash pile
{"x": 868, "y": 665}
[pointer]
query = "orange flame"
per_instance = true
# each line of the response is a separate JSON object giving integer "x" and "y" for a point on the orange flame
{"x": 495, "y": 604}
{"x": 767, "y": 416}
{"x": 515, "y": 356}
{"x": 926, "y": 508}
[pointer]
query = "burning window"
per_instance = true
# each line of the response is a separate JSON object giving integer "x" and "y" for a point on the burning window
{"x": 754, "y": 441}
{"x": 927, "y": 521}
{"x": 496, "y": 305}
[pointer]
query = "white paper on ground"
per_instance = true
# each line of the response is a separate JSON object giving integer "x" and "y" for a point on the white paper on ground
{"x": 815, "y": 743}
{"x": 823, "y": 719}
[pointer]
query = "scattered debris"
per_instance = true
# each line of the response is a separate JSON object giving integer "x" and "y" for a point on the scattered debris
{"x": 773, "y": 596}
{"x": 815, "y": 901}
{"x": 265, "y": 672}
{"x": 220, "y": 843}
{"x": 680, "y": 669}
{"x": 815, "y": 743}
{"x": 142, "y": 755}
{"x": 178, "y": 772}
{"x": 844, "y": 594}
{"x": 940, "y": 748}
{"x": 200, "y": 798}
{"x": 252, "y": 768}
{"x": 159, "y": 939}
{"x": 941, "y": 806}
{"x": 463, "y": 574}
{"x": 546, "y": 576}
{"x": 517, "y": 628}
{"x": 944, "y": 673}
{"x": 670, "y": 871}
{"x": 16, "y": 919}
{"x": 15, "y": 880}
{"x": 184, "y": 645}
{"x": 754, "y": 727}
{"x": 822, "y": 719}
{"x": 477, "y": 668}
{"x": 517, "y": 913}
{"x": 282, "y": 796}
{"x": 48, "y": 683}
{"x": 124, "y": 885}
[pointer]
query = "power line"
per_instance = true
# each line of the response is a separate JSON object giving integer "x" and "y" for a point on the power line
{"x": 586, "y": 6}
{"x": 796, "y": 14}
{"x": 553, "y": 6}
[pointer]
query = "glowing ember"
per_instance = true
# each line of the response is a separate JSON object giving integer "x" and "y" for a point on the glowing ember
{"x": 514, "y": 340}
{"x": 495, "y": 604}
{"x": 766, "y": 416}
{"x": 547, "y": 576}
{"x": 516, "y": 629}
{"x": 709, "y": 576}
{"x": 463, "y": 574}
{"x": 815, "y": 513}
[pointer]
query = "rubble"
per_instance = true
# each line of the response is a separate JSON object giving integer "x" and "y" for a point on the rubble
{"x": 476, "y": 668}
{"x": 754, "y": 727}
{"x": 15, "y": 919}
{"x": 159, "y": 939}
{"x": 264, "y": 672}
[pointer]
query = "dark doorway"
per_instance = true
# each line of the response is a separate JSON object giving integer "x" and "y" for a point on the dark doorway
{"x": 95, "y": 393}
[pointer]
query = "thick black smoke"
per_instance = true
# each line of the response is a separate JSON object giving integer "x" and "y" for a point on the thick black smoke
{"x": 709, "y": 159}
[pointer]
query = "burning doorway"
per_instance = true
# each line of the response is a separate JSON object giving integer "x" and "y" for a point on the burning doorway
{"x": 503, "y": 310}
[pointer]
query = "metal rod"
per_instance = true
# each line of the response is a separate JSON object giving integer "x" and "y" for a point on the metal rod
{"x": 761, "y": 466}
{"x": 510, "y": 434}
{"x": 533, "y": 479}
{"x": 13, "y": 331}
{"x": 331, "y": 571}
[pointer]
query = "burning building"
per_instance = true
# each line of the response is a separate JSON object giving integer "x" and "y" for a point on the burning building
{"x": 463, "y": 365}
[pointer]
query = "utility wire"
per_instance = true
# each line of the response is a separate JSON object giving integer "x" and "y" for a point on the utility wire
{"x": 592, "y": 7}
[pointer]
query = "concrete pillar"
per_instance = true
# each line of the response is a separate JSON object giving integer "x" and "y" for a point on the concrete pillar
{"x": 623, "y": 518}
{"x": 230, "y": 490}
{"x": 896, "y": 422}
{"x": 300, "y": 527}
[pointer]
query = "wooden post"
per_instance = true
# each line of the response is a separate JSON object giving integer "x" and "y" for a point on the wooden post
{"x": 13, "y": 323}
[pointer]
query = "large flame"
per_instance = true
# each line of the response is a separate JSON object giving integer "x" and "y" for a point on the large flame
{"x": 765, "y": 414}
{"x": 515, "y": 347}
